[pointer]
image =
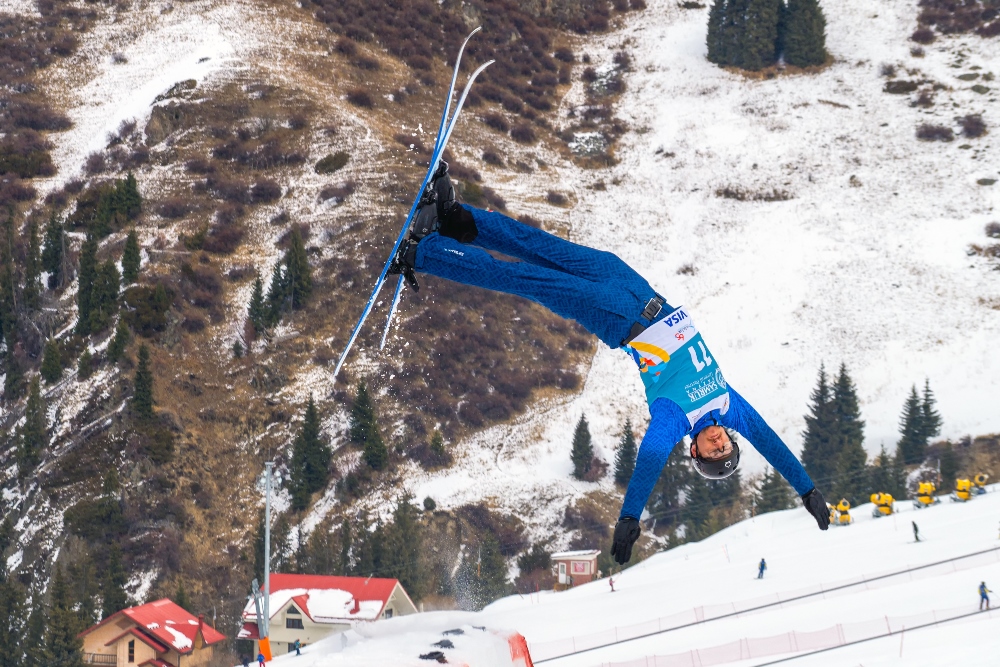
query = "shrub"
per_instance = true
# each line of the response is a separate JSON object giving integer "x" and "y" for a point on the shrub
{"x": 339, "y": 192}
{"x": 332, "y": 162}
{"x": 429, "y": 504}
{"x": 923, "y": 35}
{"x": 193, "y": 324}
{"x": 13, "y": 189}
{"x": 556, "y": 198}
{"x": 887, "y": 69}
{"x": 523, "y": 133}
{"x": 360, "y": 97}
{"x": 346, "y": 46}
{"x": 236, "y": 191}
{"x": 199, "y": 165}
{"x": 638, "y": 5}
{"x": 264, "y": 191}
{"x": 972, "y": 125}
{"x": 366, "y": 63}
{"x": 924, "y": 99}
{"x": 147, "y": 307}
{"x": 589, "y": 75}
{"x": 223, "y": 239}
{"x": 95, "y": 164}
{"x": 173, "y": 208}
{"x": 564, "y": 54}
{"x": 497, "y": 122}
{"x": 900, "y": 87}
{"x": 917, "y": 51}
{"x": 931, "y": 132}
{"x": 623, "y": 60}
{"x": 490, "y": 156}
{"x": 507, "y": 529}
{"x": 993, "y": 230}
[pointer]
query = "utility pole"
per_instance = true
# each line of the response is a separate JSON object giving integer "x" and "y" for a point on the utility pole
{"x": 265, "y": 632}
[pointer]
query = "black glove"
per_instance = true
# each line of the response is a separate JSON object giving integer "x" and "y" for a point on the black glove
{"x": 816, "y": 505}
{"x": 626, "y": 533}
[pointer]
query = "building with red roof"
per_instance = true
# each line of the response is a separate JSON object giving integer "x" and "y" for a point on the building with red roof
{"x": 160, "y": 634}
{"x": 310, "y": 607}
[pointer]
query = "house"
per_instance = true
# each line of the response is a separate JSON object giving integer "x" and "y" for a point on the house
{"x": 160, "y": 634}
{"x": 575, "y": 567}
{"x": 309, "y": 607}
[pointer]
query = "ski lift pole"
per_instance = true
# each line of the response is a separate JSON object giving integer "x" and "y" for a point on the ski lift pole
{"x": 265, "y": 642}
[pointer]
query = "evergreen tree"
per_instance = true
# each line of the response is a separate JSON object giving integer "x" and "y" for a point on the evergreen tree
{"x": 717, "y": 43}
{"x": 13, "y": 379}
{"x": 898, "y": 477}
{"x": 81, "y": 574}
{"x": 321, "y": 551}
{"x": 33, "y": 435}
{"x": 817, "y": 445}
{"x": 104, "y": 296}
{"x": 582, "y": 453}
{"x": 665, "y": 501}
{"x": 880, "y": 477}
{"x": 32, "y": 269}
{"x": 482, "y": 576}
{"x": 181, "y": 596}
{"x": 774, "y": 493}
{"x": 142, "y": 398}
{"x": 34, "y": 638}
{"x": 12, "y": 622}
{"x": 803, "y": 35}
{"x": 345, "y": 566}
{"x": 625, "y": 455}
{"x": 369, "y": 548}
{"x": 404, "y": 543}
{"x": 87, "y": 277}
{"x": 439, "y": 455}
{"x": 276, "y": 296}
{"x": 131, "y": 258}
{"x": 848, "y": 440}
{"x": 298, "y": 275}
{"x": 258, "y": 311}
{"x": 51, "y": 362}
{"x": 53, "y": 252}
{"x": 85, "y": 364}
{"x": 364, "y": 429}
{"x": 913, "y": 442}
{"x": 113, "y": 595}
{"x": 375, "y": 452}
{"x": 852, "y": 473}
{"x": 697, "y": 507}
{"x": 130, "y": 201}
{"x": 757, "y": 42}
{"x": 116, "y": 348}
{"x": 929, "y": 416}
{"x": 310, "y": 464}
{"x": 62, "y": 646}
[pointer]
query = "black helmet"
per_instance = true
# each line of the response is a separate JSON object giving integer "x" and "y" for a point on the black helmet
{"x": 717, "y": 468}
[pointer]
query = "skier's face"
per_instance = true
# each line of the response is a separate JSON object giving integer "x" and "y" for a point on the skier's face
{"x": 712, "y": 443}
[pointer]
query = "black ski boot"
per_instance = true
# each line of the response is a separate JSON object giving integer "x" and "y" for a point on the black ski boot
{"x": 437, "y": 211}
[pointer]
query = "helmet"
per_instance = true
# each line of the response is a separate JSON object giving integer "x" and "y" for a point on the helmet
{"x": 718, "y": 468}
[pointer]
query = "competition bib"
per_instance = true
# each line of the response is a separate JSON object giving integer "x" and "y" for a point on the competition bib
{"x": 675, "y": 363}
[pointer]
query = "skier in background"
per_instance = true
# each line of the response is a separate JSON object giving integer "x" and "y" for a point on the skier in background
{"x": 686, "y": 392}
{"x": 983, "y": 597}
{"x": 298, "y": 646}
{"x": 916, "y": 531}
{"x": 260, "y": 660}
{"x": 761, "y": 568}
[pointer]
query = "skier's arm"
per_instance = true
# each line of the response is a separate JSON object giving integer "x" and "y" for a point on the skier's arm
{"x": 667, "y": 427}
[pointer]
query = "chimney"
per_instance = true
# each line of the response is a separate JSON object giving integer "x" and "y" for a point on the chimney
{"x": 357, "y": 606}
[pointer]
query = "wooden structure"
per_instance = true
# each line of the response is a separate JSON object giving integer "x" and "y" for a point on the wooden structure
{"x": 575, "y": 567}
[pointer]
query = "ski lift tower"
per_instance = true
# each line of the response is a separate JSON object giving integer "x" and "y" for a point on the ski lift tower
{"x": 264, "y": 619}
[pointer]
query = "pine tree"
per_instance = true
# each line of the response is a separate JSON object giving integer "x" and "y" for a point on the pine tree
{"x": 131, "y": 258}
{"x": 298, "y": 274}
{"x": 697, "y": 507}
{"x": 913, "y": 442}
{"x": 104, "y": 296}
{"x": 949, "y": 467}
{"x": 62, "y": 645}
{"x": 310, "y": 464}
{"x": 757, "y": 40}
{"x": 85, "y": 364}
{"x": 181, "y": 596}
{"x": 13, "y": 383}
{"x": 364, "y": 429}
{"x": 880, "y": 477}
{"x": 33, "y": 436}
{"x": 717, "y": 44}
{"x": 898, "y": 477}
{"x": 81, "y": 578}
{"x": 116, "y": 348}
{"x": 369, "y": 548}
{"x": 258, "y": 312}
{"x": 129, "y": 199}
{"x": 804, "y": 33}
{"x": 345, "y": 566}
{"x": 321, "y": 551}
{"x": 582, "y": 453}
{"x": 87, "y": 276}
{"x": 32, "y": 269}
{"x": 142, "y": 398}
{"x": 113, "y": 595}
{"x": 34, "y": 638}
{"x": 852, "y": 473}
{"x": 51, "y": 362}
{"x": 817, "y": 445}
{"x": 482, "y": 577}
{"x": 404, "y": 543}
{"x": 774, "y": 493}
{"x": 929, "y": 416}
{"x": 52, "y": 252}
{"x": 665, "y": 501}
{"x": 439, "y": 454}
{"x": 625, "y": 455}
{"x": 276, "y": 296}
{"x": 12, "y": 622}
{"x": 848, "y": 440}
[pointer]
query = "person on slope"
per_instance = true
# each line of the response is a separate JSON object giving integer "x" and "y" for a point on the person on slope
{"x": 983, "y": 597}
{"x": 761, "y": 568}
{"x": 686, "y": 392}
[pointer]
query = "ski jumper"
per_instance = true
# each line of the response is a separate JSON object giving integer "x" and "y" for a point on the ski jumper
{"x": 684, "y": 388}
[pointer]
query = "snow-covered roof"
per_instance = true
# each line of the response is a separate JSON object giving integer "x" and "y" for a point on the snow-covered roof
{"x": 326, "y": 599}
{"x": 583, "y": 553}
{"x": 169, "y": 624}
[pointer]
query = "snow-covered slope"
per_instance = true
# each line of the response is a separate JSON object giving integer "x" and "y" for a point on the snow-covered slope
{"x": 719, "y": 574}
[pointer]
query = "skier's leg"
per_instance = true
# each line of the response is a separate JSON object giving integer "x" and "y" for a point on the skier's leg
{"x": 604, "y": 309}
{"x": 503, "y": 234}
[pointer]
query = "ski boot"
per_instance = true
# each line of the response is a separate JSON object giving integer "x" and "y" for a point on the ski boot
{"x": 437, "y": 211}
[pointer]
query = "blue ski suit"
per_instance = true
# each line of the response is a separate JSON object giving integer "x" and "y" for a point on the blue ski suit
{"x": 607, "y": 297}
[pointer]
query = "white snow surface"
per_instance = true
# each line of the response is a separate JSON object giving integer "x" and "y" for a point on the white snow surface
{"x": 722, "y": 571}
{"x": 323, "y": 605}
{"x": 180, "y": 641}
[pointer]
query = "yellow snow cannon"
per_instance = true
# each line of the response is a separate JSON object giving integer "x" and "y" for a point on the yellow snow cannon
{"x": 833, "y": 513}
{"x": 963, "y": 490}
{"x": 925, "y": 495}
{"x": 883, "y": 505}
{"x": 843, "y": 509}
{"x": 980, "y": 481}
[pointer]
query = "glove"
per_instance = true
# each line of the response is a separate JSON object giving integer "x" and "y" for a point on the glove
{"x": 816, "y": 504}
{"x": 626, "y": 533}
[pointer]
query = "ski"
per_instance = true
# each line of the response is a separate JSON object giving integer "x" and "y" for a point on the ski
{"x": 444, "y": 131}
{"x": 434, "y": 164}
